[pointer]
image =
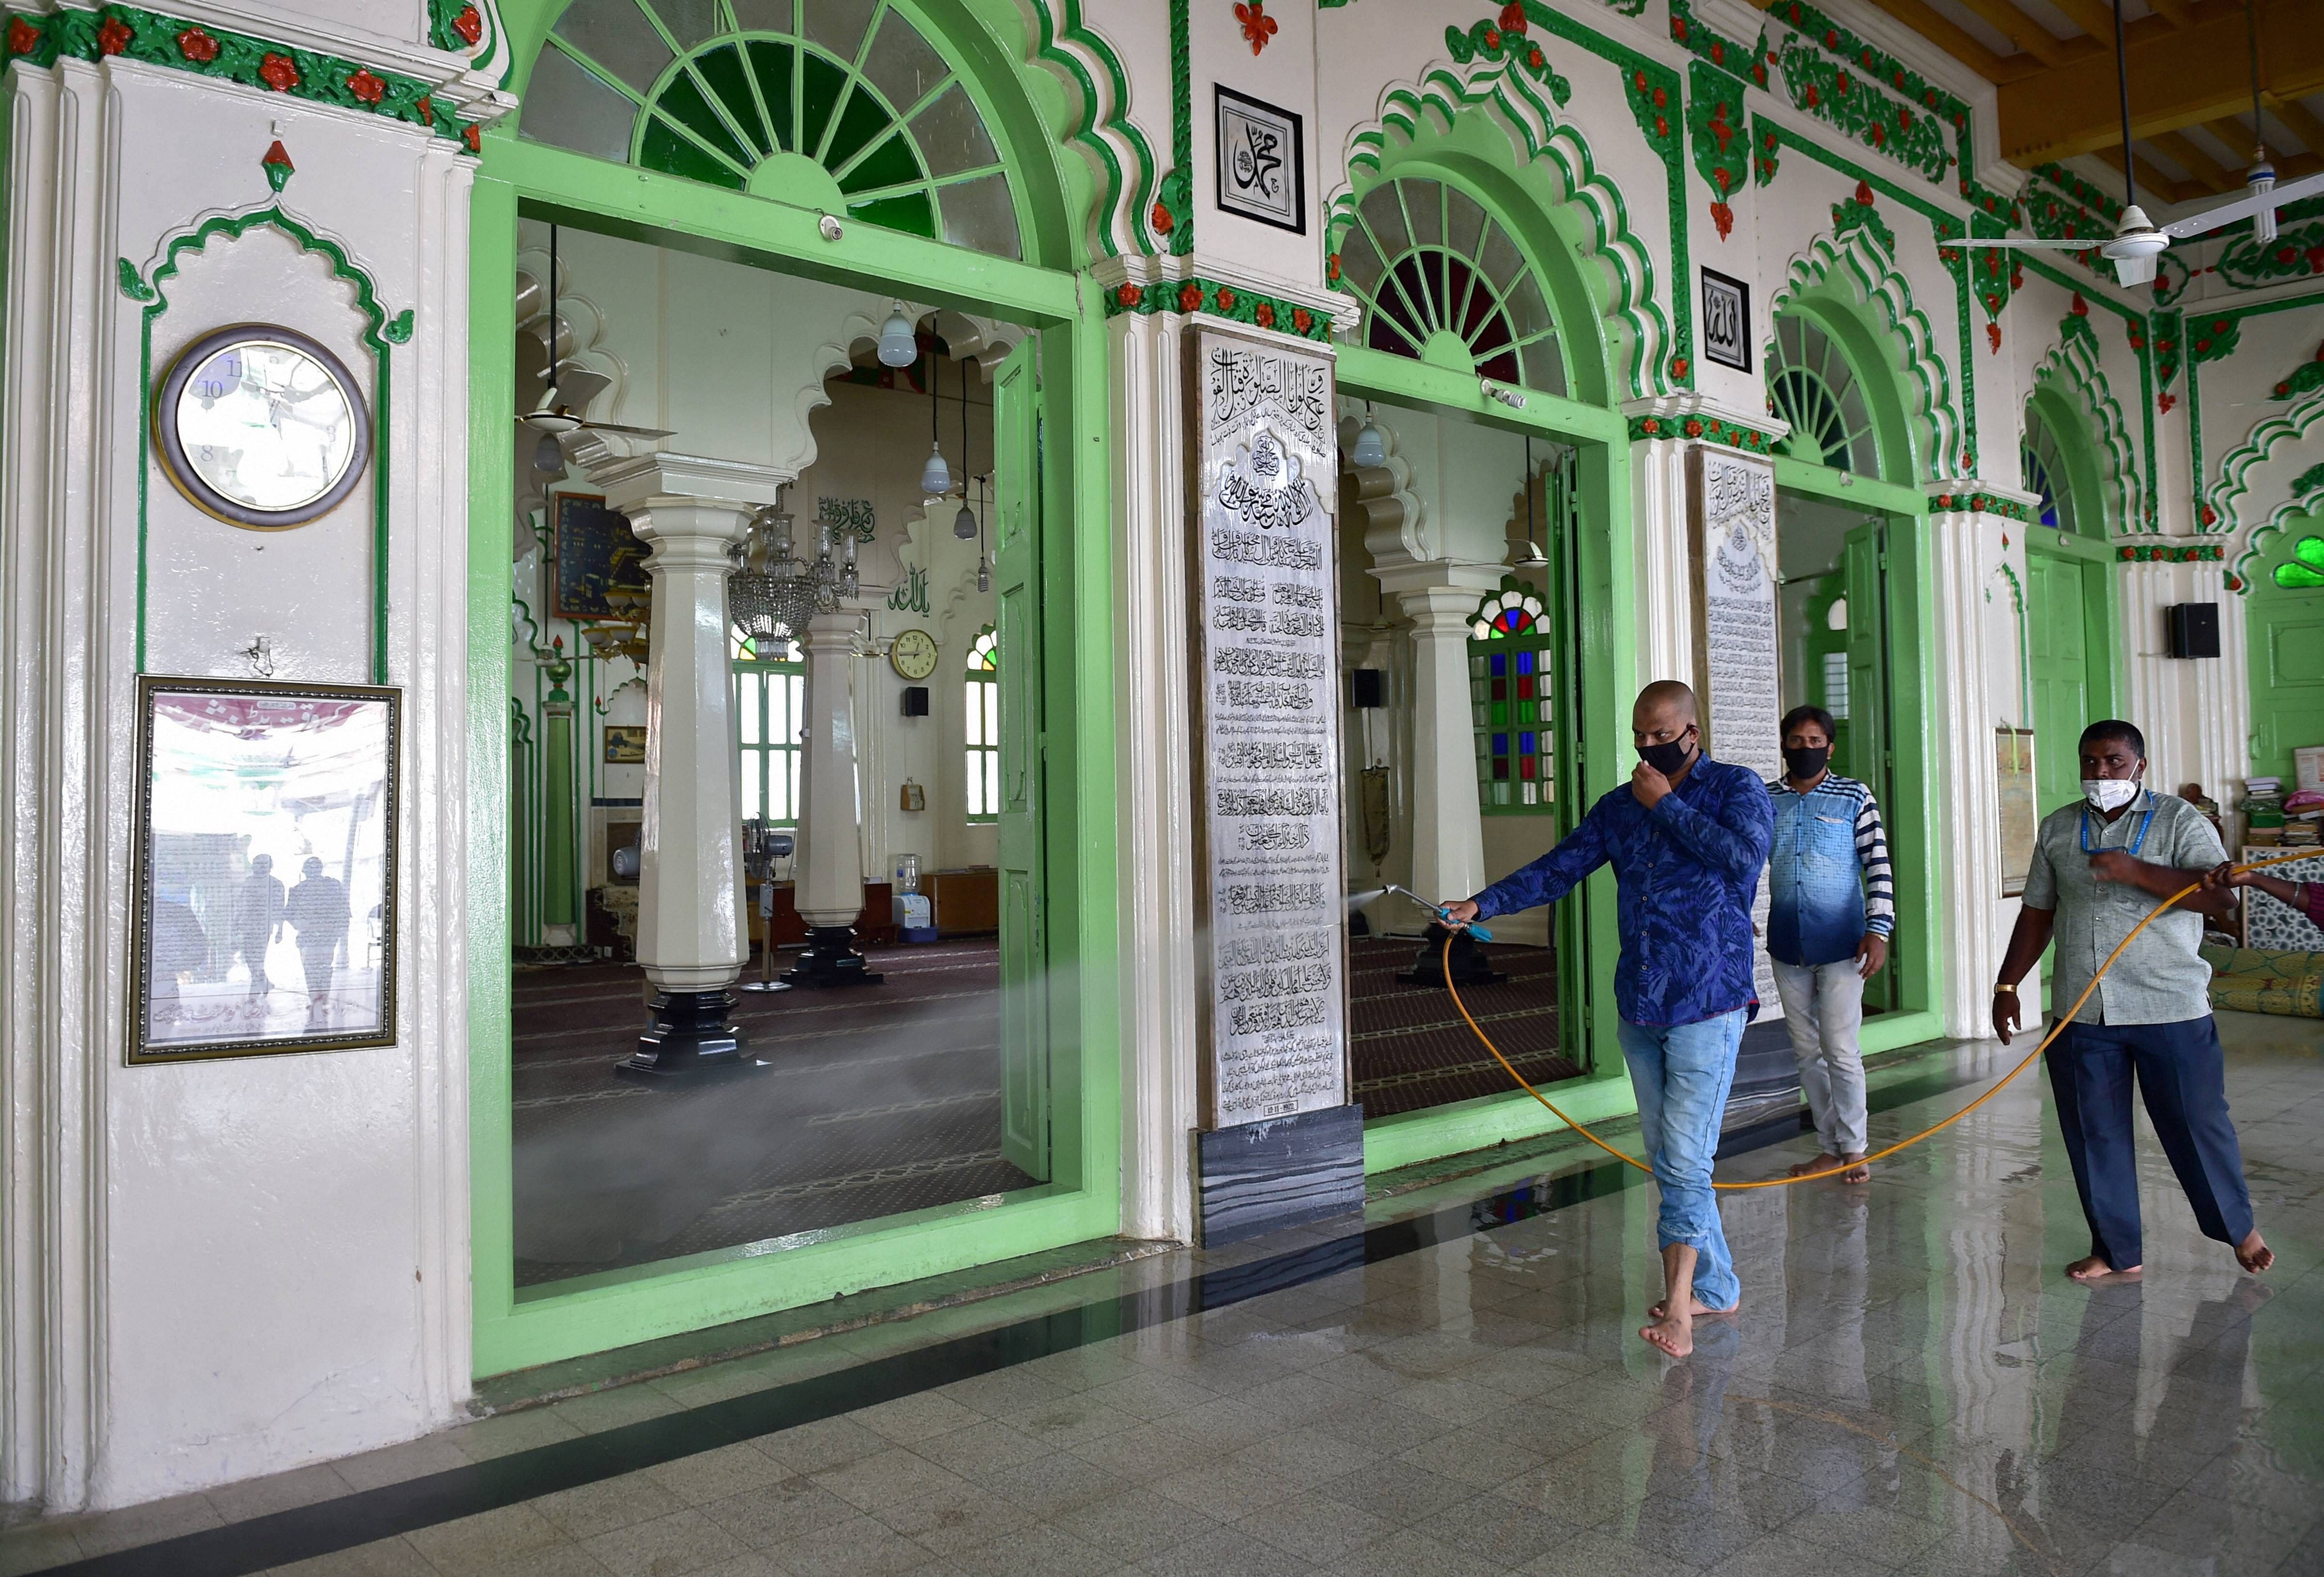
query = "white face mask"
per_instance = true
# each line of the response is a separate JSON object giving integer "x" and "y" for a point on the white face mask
{"x": 2110, "y": 793}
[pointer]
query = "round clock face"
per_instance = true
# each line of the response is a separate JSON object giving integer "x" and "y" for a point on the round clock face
{"x": 261, "y": 427}
{"x": 913, "y": 655}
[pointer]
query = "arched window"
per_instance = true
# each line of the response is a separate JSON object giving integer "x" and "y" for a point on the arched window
{"x": 1811, "y": 385}
{"x": 982, "y": 732}
{"x": 1509, "y": 701}
{"x": 841, "y": 105}
{"x": 2304, "y": 570}
{"x": 2045, "y": 473}
{"x": 1442, "y": 281}
{"x": 769, "y": 709}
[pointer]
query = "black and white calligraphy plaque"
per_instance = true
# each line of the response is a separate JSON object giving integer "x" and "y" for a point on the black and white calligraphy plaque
{"x": 1267, "y": 714}
{"x": 1725, "y": 321}
{"x": 1262, "y": 169}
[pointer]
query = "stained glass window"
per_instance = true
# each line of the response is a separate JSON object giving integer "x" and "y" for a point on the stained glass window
{"x": 2045, "y": 473}
{"x": 1441, "y": 280}
{"x": 1811, "y": 385}
{"x": 982, "y": 732}
{"x": 2304, "y": 570}
{"x": 1510, "y": 643}
{"x": 839, "y": 105}
{"x": 769, "y": 710}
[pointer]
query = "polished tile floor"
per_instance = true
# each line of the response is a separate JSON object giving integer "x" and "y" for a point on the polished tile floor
{"x": 1455, "y": 1387}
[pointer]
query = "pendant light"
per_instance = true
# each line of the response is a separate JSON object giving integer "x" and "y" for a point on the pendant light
{"x": 2261, "y": 179}
{"x": 935, "y": 476}
{"x": 963, "y": 524}
{"x": 983, "y": 564}
{"x": 1372, "y": 445}
{"x": 898, "y": 348}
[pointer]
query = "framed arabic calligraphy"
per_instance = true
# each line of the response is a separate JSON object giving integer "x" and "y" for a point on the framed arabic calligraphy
{"x": 1262, "y": 163}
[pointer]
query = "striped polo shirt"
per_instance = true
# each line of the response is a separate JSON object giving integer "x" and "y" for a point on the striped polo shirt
{"x": 1828, "y": 878}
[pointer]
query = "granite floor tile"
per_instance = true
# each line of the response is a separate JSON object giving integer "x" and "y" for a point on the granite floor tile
{"x": 393, "y": 1557}
{"x": 887, "y": 1479}
{"x": 1399, "y": 1491}
{"x": 1227, "y": 1552}
{"x": 610, "y": 1503}
{"x": 676, "y": 1545}
{"x": 1039, "y": 1550}
{"x": 278, "y": 1492}
{"x": 1136, "y": 1524}
{"x": 486, "y": 1544}
{"x": 952, "y": 1520}
{"x": 1314, "y": 1527}
{"x": 789, "y": 1508}
{"x": 861, "y": 1547}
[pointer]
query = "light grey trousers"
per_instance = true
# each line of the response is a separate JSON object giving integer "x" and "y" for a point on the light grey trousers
{"x": 1823, "y": 1009}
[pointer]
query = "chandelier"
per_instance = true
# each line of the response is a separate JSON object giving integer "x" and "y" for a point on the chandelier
{"x": 626, "y": 633}
{"x": 772, "y": 592}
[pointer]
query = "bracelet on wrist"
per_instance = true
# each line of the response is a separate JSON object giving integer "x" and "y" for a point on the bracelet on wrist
{"x": 2003, "y": 988}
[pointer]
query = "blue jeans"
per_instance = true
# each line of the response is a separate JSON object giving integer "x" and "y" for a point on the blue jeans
{"x": 1682, "y": 1074}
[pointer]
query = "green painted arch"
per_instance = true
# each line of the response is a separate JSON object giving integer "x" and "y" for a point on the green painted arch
{"x": 1052, "y": 95}
{"x": 2071, "y": 398}
{"x": 1849, "y": 287}
{"x": 1493, "y": 138}
{"x": 2306, "y": 492}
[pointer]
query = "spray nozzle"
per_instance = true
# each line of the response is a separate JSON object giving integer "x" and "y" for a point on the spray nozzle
{"x": 1440, "y": 911}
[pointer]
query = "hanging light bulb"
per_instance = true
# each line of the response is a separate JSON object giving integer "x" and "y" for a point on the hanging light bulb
{"x": 935, "y": 476}
{"x": 984, "y": 575}
{"x": 899, "y": 347}
{"x": 963, "y": 524}
{"x": 1371, "y": 444}
{"x": 549, "y": 458}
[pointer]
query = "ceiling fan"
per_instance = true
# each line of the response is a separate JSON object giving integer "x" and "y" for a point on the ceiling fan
{"x": 566, "y": 388}
{"x": 2137, "y": 241}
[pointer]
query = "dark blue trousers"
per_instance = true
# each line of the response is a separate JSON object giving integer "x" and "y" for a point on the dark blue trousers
{"x": 2183, "y": 1077}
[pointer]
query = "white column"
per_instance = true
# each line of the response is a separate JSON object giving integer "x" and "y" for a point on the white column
{"x": 830, "y": 865}
{"x": 1448, "y": 828}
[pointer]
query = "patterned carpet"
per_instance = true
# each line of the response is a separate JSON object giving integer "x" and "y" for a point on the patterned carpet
{"x": 880, "y": 1099}
{"x": 1410, "y": 1049}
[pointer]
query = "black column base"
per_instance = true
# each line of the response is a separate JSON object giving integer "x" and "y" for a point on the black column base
{"x": 830, "y": 959}
{"x": 689, "y": 1037}
{"x": 1470, "y": 964}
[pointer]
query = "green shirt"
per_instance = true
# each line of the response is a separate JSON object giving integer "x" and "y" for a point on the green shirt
{"x": 2160, "y": 979}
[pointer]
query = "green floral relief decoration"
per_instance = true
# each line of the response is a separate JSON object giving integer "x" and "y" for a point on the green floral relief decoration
{"x": 1717, "y": 137}
{"x": 2304, "y": 571}
{"x": 2072, "y": 369}
{"x": 2297, "y": 253}
{"x": 2306, "y": 378}
{"x": 1221, "y": 301}
{"x": 1173, "y": 218}
{"x": 381, "y": 333}
{"x": 154, "y": 38}
{"x": 1841, "y": 98}
{"x": 2214, "y": 338}
{"x": 1695, "y": 426}
{"x": 1511, "y": 71}
{"x": 2295, "y": 434}
{"x": 1709, "y": 43}
{"x": 2166, "y": 335}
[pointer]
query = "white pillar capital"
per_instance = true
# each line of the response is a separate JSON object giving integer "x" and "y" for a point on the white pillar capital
{"x": 660, "y": 483}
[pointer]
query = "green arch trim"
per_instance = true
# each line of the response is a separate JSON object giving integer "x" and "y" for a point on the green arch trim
{"x": 2072, "y": 396}
{"x": 2307, "y": 491}
{"x": 382, "y": 334}
{"x": 1044, "y": 86}
{"x": 1495, "y": 137}
{"x": 1850, "y": 286}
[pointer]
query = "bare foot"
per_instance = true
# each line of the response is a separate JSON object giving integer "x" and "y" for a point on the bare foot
{"x": 1697, "y": 1309}
{"x": 1858, "y": 1172}
{"x": 2097, "y": 1270}
{"x": 1673, "y": 1336}
{"x": 1821, "y": 1164}
{"x": 2253, "y": 1254}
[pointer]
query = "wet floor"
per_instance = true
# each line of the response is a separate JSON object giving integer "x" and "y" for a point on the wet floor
{"x": 1457, "y": 1388}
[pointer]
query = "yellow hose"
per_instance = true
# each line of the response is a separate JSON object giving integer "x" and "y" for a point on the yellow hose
{"x": 2030, "y": 1058}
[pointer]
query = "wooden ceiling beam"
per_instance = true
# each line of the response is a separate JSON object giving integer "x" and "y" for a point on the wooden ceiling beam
{"x": 2298, "y": 122}
{"x": 2094, "y": 17}
{"x": 2152, "y": 183}
{"x": 2177, "y": 80}
{"x": 2022, "y": 31}
{"x": 2174, "y": 12}
{"x": 2236, "y": 135}
{"x": 1956, "y": 41}
{"x": 2205, "y": 168}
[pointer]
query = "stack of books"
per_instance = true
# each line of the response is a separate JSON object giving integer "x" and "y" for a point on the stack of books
{"x": 2303, "y": 819}
{"x": 2263, "y": 809}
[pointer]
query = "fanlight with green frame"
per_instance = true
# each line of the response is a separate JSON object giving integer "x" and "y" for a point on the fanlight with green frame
{"x": 1511, "y": 704}
{"x": 838, "y": 105}
{"x": 1811, "y": 386}
{"x": 2304, "y": 570}
{"x": 2045, "y": 464}
{"x": 1442, "y": 281}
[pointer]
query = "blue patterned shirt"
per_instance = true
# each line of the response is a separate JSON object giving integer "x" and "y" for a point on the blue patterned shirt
{"x": 1686, "y": 872}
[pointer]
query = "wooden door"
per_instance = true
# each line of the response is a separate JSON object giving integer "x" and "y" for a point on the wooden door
{"x": 1017, "y": 624}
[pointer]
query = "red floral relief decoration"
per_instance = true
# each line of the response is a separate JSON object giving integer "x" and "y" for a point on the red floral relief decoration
{"x": 197, "y": 46}
{"x": 366, "y": 88}
{"x": 468, "y": 25}
{"x": 113, "y": 36}
{"x": 279, "y": 72}
{"x": 1258, "y": 26}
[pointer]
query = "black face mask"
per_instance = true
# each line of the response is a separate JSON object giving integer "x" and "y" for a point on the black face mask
{"x": 1665, "y": 759}
{"x": 1807, "y": 761}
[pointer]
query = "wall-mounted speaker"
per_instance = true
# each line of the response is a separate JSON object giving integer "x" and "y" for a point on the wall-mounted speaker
{"x": 2194, "y": 629}
{"x": 915, "y": 700}
{"x": 1367, "y": 688}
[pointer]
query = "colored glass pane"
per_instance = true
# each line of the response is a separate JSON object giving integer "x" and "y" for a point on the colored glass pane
{"x": 2045, "y": 473}
{"x": 1811, "y": 386}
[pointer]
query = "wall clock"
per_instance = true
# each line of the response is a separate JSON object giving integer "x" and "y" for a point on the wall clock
{"x": 261, "y": 427}
{"x": 913, "y": 655}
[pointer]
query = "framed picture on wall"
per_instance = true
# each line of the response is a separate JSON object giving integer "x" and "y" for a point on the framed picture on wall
{"x": 1262, "y": 170}
{"x": 263, "y": 883}
{"x": 2013, "y": 771}
{"x": 1726, "y": 320}
{"x": 625, "y": 745}
{"x": 601, "y": 565}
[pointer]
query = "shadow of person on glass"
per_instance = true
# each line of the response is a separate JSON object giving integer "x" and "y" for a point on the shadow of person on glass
{"x": 179, "y": 947}
{"x": 317, "y": 911}
{"x": 258, "y": 920}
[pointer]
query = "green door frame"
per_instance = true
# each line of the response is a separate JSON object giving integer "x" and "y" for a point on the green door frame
{"x": 514, "y": 1329}
{"x": 1910, "y": 804}
{"x": 1607, "y": 640}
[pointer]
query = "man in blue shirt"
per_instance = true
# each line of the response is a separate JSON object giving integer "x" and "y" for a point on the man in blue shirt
{"x": 1833, "y": 907}
{"x": 1687, "y": 837}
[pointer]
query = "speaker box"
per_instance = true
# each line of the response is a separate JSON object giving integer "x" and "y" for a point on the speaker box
{"x": 1368, "y": 688}
{"x": 915, "y": 700}
{"x": 2194, "y": 629}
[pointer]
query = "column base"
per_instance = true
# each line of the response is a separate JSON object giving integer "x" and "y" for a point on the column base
{"x": 689, "y": 1036}
{"x": 1470, "y": 964}
{"x": 831, "y": 960}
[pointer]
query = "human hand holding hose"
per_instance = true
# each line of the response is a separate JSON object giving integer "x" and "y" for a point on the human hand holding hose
{"x": 1458, "y": 911}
